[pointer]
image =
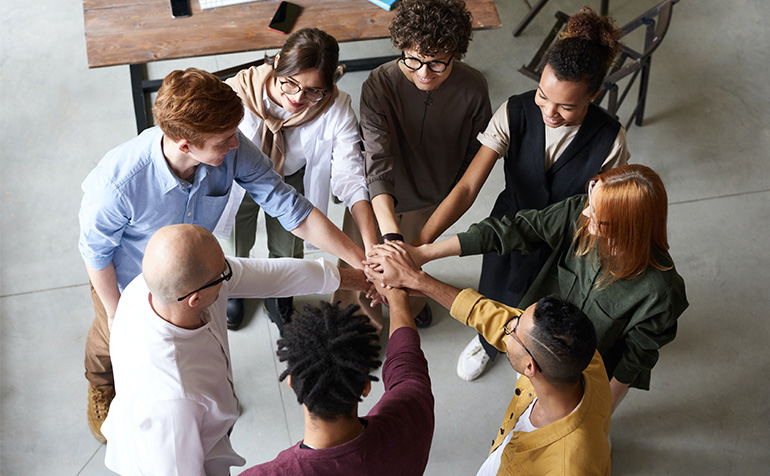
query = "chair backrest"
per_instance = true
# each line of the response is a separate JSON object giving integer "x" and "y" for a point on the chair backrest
{"x": 656, "y": 21}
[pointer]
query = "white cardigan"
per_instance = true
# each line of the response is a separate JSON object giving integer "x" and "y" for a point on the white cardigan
{"x": 332, "y": 147}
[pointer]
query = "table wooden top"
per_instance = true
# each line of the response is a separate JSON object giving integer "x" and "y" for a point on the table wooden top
{"x": 141, "y": 31}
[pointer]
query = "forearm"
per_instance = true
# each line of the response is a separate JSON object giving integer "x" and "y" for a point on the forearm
{"x": 318, "y": 230}
{"x": 105, "y": 283}
{"x": 618, "y": 391}
{"x": 432, "y": 251}
{"x": 439, "y": 291}
{"x": 364, "y": 216}
{"x": 400, "y": 314}
{"x": 448, "y": 212}
{"x": 353, "y": 279}
{"x": 385, "y": 211}
{"x": 460, "y": 198}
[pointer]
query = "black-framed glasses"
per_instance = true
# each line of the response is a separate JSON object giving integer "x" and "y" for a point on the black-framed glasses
{"x": 512, "y": 333}
{"x": 225, "y": 276}
{"x": 290, "y": 87}
{"x": 414, "y": 64}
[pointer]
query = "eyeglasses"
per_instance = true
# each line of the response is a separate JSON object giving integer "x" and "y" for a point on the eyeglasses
{"x": 225, "y": 276}
{"x": 512, "y": 333}
{"x": 313, "y": 94}
{"x": 414, "y": 64}
{"x": 591, "y": 185}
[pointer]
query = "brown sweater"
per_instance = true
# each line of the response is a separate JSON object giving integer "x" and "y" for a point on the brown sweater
{"x": 418, "y": 144}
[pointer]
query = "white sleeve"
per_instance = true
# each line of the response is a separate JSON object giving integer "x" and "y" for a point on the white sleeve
{"x": 348, "y": 179}
{"x": 171, "y": 438}
{"x": 281, "y": 277}
{"x": 497, "y": 135}
{"x": 619, "y": 153}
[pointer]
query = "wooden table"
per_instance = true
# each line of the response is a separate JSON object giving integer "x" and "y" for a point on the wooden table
{"x": 137, "y": 32}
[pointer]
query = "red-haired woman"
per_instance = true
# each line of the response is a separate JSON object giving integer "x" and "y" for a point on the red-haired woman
{"x": 610, "y": 258}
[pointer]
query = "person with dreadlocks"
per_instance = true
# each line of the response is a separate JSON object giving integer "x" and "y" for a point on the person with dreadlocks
{"x": 330, "y": 353}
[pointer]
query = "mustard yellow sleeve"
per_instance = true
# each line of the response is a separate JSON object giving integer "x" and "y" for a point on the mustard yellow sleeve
{"x": 485, "y": 315}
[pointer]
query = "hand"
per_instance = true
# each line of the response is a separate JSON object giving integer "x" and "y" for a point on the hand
{"x": 388, "y": 294}
{"x": 375, "y": 296}
{"x": 391, "y": 265}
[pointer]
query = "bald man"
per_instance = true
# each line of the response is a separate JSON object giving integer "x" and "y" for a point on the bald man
{"x": 175, "y": 403}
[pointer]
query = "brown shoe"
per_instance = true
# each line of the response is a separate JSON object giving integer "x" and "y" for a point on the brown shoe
{"x": 99, "y": 399}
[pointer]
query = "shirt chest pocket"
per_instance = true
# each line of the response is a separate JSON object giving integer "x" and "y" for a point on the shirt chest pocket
{"x": 211, "y": 208}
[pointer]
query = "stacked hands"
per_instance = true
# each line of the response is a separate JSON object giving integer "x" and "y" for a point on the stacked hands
{"x": 392, "y": 265}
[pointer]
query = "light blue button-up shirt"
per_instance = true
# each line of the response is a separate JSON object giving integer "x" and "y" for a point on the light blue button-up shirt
{"x": 132, "y": 193}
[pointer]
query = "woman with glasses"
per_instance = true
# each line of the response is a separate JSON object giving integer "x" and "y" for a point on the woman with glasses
{"x": 297, "y": 116}
{"x": 420, "y": 115}
{"x": 553, "y": 139}
{"x": 610, "y": 258}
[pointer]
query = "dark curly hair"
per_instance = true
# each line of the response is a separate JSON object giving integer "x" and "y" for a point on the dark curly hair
{"x": 564, "y": 340}
{"x": 586, "y": 49}
{"x": 330, "y": 354}
{"x": 432, "y": 27}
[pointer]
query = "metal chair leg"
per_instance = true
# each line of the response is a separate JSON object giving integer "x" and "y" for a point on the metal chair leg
{"x": 528, "y": 18}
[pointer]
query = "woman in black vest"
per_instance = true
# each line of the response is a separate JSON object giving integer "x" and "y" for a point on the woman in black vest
{"x": 553, "y": 140}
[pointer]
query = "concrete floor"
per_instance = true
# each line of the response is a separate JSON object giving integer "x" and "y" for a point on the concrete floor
{"x": 706, "y": 133}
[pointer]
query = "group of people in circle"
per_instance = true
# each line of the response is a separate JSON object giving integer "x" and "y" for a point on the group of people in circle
{"x": 577, "y": 287}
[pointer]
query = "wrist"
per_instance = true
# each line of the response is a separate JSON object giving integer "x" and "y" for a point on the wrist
{"x": 416, "y": 280}
{"x": 392, "y": 237}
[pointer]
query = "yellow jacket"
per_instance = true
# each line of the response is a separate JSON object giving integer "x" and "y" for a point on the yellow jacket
{"x": 575, "y": 445}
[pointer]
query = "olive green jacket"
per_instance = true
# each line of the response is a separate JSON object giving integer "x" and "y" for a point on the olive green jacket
{"x": 633, "y": 318}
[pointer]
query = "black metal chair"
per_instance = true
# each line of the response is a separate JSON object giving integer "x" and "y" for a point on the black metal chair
{"x": 631, "y": 64}
{"x": 535, "y": 9}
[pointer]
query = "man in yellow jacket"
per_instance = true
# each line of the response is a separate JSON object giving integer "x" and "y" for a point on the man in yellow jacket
{"x": 559, "y": 417}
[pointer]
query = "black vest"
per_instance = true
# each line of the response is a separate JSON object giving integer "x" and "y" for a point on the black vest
{"x": 528, "y": 185}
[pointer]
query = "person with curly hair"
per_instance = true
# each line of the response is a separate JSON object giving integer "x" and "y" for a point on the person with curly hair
{"x": 330, "y": 353}
{"x": 553, "y": 140}
{"x": 420, "y": 115}
{"x": 181, "y": 171}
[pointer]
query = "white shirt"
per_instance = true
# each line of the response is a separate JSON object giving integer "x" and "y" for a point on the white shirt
{"x": 331, "y": 149}
{"x": 175, "y": 401}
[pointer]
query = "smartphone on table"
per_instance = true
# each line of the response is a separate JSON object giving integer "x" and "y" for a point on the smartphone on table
{"x": 284, "y": 18}
{"x": 180, "y": 8}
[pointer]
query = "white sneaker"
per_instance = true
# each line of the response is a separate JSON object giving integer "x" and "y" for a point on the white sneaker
{"x": 473, "y": 360}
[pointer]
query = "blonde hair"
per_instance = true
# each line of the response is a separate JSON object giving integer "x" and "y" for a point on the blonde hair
{"x": 194, "y": 103}
{"x": 631, "y": 213}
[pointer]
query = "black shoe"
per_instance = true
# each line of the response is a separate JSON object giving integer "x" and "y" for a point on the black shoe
{"x": 234, "y": 313}
{"x": 279, "y": 310}
{"x": 424, "y": 317}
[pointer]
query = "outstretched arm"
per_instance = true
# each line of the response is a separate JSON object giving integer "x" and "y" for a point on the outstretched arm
{"x": 318, "y": 230}
{"x": 400, "y": 313}
{"x": 385, "y": 211}
{"x": 460, "y": 198}
{"x": 364, "y": 216}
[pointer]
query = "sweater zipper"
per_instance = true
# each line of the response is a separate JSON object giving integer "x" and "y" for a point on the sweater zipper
{"x": 428, "y": 101}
